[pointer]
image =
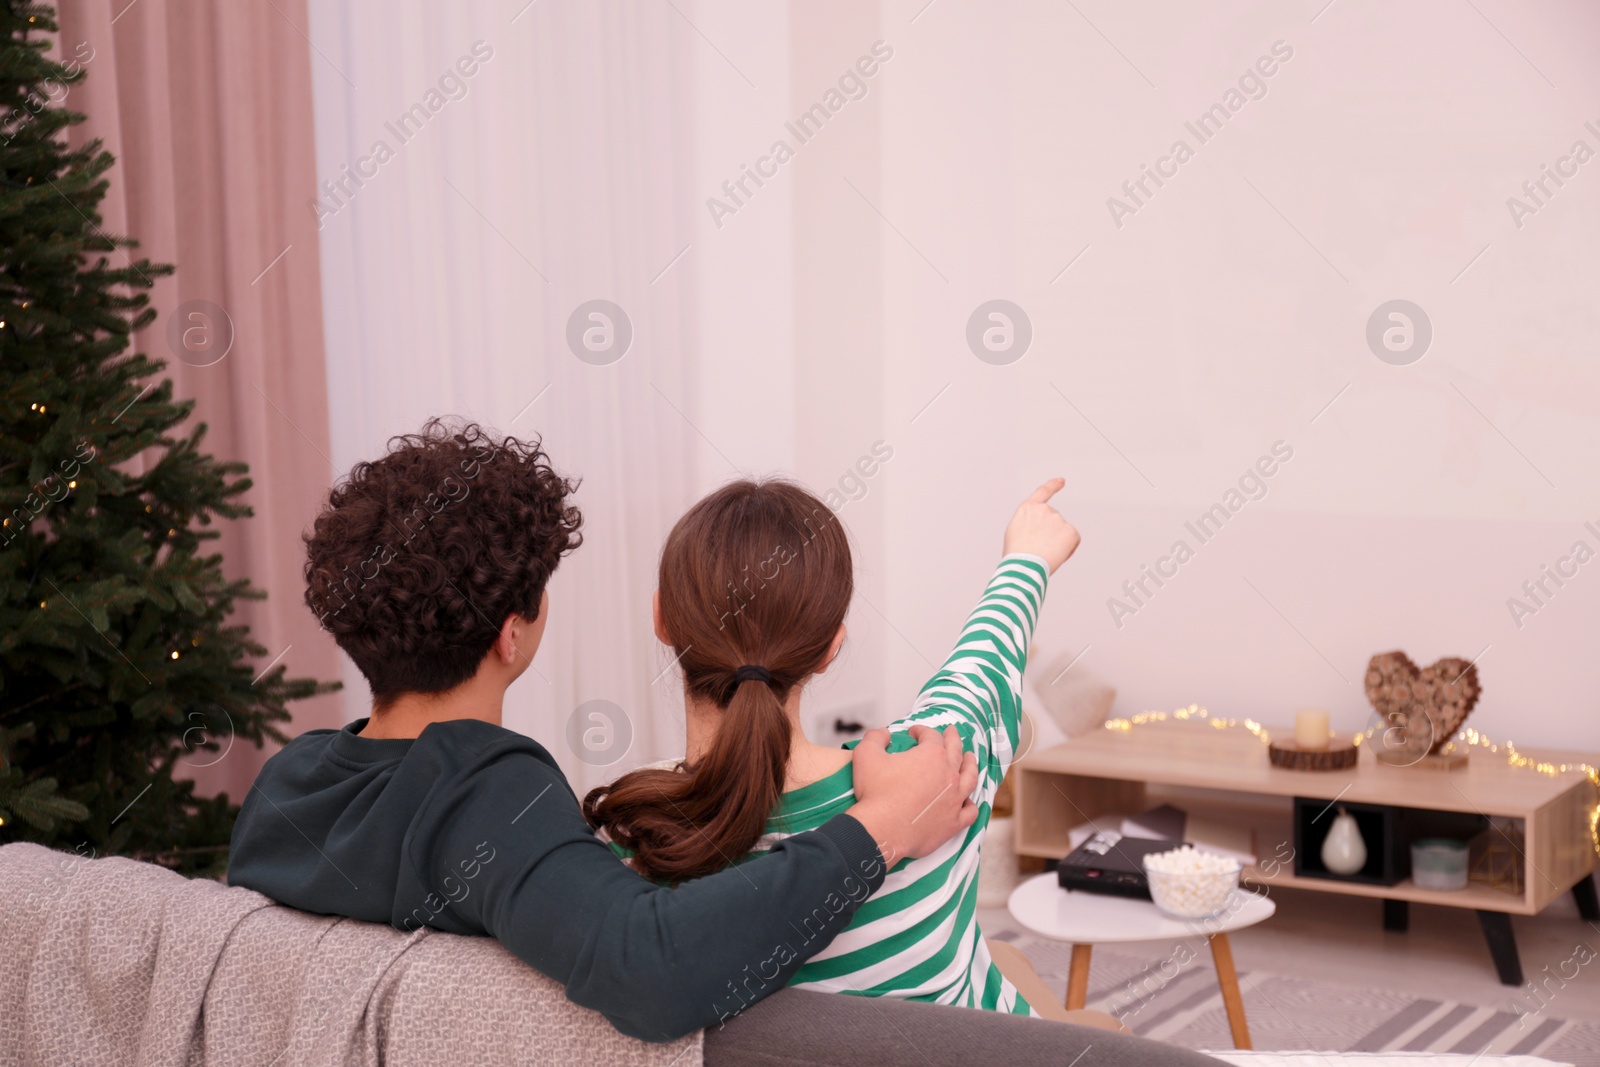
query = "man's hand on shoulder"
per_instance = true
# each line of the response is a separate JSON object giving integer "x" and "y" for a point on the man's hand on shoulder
{"x": 912, "y": 802}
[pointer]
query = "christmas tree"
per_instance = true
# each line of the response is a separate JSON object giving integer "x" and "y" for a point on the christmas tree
{"x": 119, "y": 668}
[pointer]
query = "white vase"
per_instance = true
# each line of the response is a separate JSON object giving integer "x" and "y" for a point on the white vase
{"x": 1343, "y": 851}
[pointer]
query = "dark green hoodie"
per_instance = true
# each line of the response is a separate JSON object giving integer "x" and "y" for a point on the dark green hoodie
{"x": 473, "y": 829}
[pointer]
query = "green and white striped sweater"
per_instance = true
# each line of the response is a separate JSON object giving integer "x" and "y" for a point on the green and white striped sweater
{"x": 917, "y": 938}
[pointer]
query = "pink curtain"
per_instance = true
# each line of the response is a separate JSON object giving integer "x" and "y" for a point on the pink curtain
{"x": 207, "y": 107}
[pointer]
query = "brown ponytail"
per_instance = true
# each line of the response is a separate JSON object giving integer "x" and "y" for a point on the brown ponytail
{"x": 758, "y": 575}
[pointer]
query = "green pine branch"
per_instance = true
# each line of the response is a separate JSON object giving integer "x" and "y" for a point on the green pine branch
{"x": 121, "y": 670}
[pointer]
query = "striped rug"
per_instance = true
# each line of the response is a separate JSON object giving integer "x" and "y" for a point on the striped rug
{"x": 1175, "y": 999}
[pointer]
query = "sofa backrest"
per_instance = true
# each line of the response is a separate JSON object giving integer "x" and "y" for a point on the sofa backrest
{"x": 116, "y": 962}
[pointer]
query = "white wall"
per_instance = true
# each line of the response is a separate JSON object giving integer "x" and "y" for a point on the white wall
{"x": 827, "y": 312}
{"x": 1206, "y": 328}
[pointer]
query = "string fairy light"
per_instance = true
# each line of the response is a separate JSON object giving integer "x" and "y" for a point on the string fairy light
{"x": 1466, "y": 735}
{"x": 1193, "y": 711}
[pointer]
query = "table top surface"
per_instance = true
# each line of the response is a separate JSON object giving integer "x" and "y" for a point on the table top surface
{"x": 1199, "y": 755}
{"x": 1042, "y": 907}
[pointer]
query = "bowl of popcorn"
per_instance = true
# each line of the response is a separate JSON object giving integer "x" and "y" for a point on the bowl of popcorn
{"x": 1186, "y": 883}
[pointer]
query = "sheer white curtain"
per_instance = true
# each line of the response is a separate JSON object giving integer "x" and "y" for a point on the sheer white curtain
{"x": 486, "y": 169}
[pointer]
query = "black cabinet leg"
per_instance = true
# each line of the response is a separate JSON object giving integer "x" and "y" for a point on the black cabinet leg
{"x": 1397, "y": 915}
{"x": 1588, "y": 902}
{"x": 1502, "y": 946}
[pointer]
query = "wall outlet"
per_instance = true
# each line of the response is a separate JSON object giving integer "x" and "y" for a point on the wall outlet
{"x": 842, "y": 722}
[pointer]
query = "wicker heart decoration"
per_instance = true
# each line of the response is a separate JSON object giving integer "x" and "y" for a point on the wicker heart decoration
{"x": 1423, "y": 707}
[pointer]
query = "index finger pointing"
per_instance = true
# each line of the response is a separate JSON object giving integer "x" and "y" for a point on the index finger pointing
{"x": 1047, "y": 490}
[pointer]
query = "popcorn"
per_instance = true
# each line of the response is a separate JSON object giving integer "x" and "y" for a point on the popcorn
{"x": 1189, "y": 860}
{"x": 1187, "y": 883}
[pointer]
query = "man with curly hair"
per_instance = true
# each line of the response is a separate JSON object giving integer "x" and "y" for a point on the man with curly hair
{"x": 429, "y": 567}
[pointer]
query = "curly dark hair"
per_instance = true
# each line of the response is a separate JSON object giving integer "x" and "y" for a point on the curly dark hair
{"x": 418, "y": 557}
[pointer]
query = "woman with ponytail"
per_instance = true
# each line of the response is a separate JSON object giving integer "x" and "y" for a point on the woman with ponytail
{"x": 754, "y": 585}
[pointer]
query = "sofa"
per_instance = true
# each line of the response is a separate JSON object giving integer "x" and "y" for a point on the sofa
{"x": 115, "y": 962}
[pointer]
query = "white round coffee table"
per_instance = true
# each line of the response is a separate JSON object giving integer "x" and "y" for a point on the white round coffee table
{"x": 1084, "y": 920}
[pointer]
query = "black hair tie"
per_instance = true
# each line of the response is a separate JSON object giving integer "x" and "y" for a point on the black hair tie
{"x": 741, "y": 675}
{"x": 749, "y": 673}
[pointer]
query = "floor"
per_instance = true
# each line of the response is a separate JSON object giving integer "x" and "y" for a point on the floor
{"x": 1340, "y": 939}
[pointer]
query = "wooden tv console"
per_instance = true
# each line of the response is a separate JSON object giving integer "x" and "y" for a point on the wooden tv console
{"x": 1225, "y": 772}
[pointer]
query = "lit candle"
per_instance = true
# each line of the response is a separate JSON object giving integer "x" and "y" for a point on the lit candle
{"x": 1311, "y": 728}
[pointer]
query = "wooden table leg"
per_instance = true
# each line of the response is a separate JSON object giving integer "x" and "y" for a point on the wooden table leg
{"x": 1587, "y": 899}
{"x": 1502, "y": 946}
{"x": 1228, "y": 979}
{"x": 1078, "y": 978}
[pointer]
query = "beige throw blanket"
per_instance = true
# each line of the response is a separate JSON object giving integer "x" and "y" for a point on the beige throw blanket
{"x": 115, "y": 962}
